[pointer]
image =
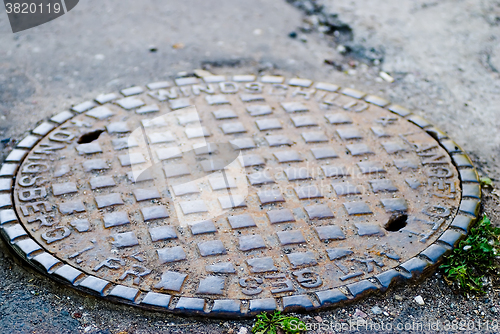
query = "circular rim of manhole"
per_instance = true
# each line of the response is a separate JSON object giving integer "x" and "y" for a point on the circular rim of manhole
{"x": 426, "y": 258}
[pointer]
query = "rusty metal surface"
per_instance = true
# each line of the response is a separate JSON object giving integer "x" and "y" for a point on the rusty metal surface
{"x": 230, "y": 196}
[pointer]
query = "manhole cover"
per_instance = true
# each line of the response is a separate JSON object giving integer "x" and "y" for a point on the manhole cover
{"x": 231, "y": 196}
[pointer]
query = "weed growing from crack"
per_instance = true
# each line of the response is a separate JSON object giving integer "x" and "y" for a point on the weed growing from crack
{"x": 474, "y": 258}
{"x": 486, "y": 182}
{"x": 269, "y": 323}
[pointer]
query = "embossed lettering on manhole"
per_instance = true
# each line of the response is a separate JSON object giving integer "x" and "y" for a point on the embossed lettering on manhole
{"x": 236, "y": 195}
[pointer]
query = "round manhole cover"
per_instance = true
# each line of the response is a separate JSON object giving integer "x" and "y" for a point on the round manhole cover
{"x": 231, "y": 196}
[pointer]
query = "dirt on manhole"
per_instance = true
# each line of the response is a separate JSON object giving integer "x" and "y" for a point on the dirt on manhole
{"x": 231, "y": 196}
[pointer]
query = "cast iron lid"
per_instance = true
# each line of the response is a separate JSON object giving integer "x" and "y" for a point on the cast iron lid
{"x": 235, "y": 195}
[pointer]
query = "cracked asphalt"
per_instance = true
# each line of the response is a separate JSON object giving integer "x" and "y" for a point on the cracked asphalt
{"x": 443, "y": 55}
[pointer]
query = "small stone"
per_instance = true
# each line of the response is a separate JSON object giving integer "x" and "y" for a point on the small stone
{"x": 386, "y": 77}
{"x": 419, "y": 300}
{"x": 318, "y": 318}
{"x": 360, "y": 314}
{"x": 376, "y": 310}
{"x": 398, "y": 298}
{"x": 243, "y": 330}
{"x": 341, "y": 49}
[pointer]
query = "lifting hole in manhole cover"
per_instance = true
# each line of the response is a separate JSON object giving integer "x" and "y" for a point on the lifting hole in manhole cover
{"x": 90, "y": 137}
{"x": 231, "y": 196}
{"x": 396, "y": 222}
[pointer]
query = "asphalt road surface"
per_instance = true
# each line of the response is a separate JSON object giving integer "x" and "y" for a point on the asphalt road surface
{"x": 443, "y": 55}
